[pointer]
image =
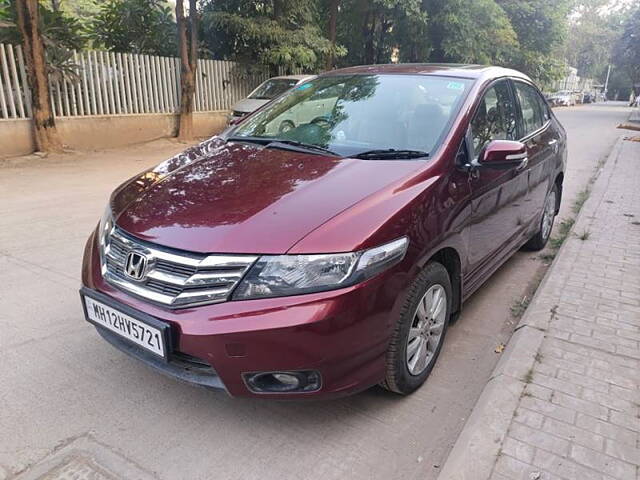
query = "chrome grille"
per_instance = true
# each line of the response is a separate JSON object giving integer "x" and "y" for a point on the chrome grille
{"x": 172, "y": 278}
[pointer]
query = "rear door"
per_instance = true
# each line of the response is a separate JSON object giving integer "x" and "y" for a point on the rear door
{"x": 534, "y": 121}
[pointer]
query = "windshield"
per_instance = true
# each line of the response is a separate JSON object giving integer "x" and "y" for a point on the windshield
{"x": 272, "y": 88}
{"x": 350, "y": 114}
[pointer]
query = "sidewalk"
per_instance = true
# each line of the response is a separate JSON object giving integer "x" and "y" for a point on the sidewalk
{"x": 564, "y": 400}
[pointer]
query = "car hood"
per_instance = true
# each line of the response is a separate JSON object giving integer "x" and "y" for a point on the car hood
{"x": 248, "y": 105}
{"x": 243, "y": 198}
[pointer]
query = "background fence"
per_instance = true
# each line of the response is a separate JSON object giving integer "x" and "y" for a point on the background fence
{"x": 107, "y": 83}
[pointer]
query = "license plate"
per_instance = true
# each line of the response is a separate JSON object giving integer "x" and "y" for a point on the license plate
{"x": 134, "y": 330}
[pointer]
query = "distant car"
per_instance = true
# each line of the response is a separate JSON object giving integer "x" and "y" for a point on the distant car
{"x": 562, "y": 99}
{"x": 264, "y": 93}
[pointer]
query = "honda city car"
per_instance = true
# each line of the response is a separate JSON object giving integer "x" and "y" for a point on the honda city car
{"x": 329, "y": 256}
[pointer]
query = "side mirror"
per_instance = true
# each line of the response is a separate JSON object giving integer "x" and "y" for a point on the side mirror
{"x": 503, "y": 154}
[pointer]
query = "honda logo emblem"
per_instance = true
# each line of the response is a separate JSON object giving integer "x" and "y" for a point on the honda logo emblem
{"x": 135, "y": 265}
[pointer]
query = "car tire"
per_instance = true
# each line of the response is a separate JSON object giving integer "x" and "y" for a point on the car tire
{"x": 425, "y": 294}
{"x": 285, "y": 126}
{"x": 541, "y": 237}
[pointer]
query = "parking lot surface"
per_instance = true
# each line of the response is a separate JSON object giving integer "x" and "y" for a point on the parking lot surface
{"x": 68, "y": 396}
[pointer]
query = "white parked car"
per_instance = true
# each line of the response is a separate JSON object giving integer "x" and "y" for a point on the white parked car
{"x": 266, "y": 92}
{"x": 562, "y": 98}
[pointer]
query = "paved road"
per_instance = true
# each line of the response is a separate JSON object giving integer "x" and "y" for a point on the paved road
{"x": 64, "y": 388}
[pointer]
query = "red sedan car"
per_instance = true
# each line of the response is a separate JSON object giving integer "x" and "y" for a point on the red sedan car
{"x": 323, "y": 244}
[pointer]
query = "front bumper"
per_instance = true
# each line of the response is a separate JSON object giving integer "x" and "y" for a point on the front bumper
{"x": 342, "y": 334}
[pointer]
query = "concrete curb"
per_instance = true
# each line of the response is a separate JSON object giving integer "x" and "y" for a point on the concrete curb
{"x": 478, "y": 445}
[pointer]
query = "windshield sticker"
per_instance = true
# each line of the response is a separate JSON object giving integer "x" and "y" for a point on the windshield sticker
{"x": 304, "y": 86}
{"x": 455, "y": 86}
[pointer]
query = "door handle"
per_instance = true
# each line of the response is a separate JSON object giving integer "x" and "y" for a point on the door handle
{"x": 553, "y": 144}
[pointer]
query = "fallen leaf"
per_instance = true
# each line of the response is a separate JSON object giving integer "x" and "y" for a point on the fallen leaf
{"x": 500, "y": 348}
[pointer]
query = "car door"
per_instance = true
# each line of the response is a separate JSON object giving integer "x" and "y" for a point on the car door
{"x": 497, "y": 195}
{"x": 534, "y": 119}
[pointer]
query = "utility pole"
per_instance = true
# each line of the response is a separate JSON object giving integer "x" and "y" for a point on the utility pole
{"x": 606, "y": 82}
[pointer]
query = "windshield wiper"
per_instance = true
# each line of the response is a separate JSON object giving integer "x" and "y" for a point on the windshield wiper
{"x": 278, "y": 143}
{"x": 259, "y": 140}
{"x": 390, "y": 153}
{"x": 269, "y": 142}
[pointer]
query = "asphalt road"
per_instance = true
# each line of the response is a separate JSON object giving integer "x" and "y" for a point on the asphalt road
{"x": 62, "y": 386}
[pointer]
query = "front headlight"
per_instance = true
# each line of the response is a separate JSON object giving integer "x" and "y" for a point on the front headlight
{"x": 282, "y": 275}
{"x": 104, "y": 229}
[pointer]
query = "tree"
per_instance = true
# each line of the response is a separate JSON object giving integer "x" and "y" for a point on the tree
{"x": 273, "y": 34}
{"x": 470, "y": 32}
{"x": 46, "y": 135}
{"x": 592, "y": 34}
{"x": 84, "y": 11}
{"x": 540, "y": 27}
{"x": 331, "y": 33}
{"x": 373, "y": 31}
{"x": 135, "y": 26}
{"x": 626, "y": 52}
{"x": 188, "y": 48}
{"x": 56, "y": 27}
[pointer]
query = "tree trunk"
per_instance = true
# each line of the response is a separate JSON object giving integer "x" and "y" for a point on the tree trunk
{"x": 369, "y": 48}
{"x": 278, "y": 13}
{"x": 188, "y": 49}
{"x": 380, "y": 47}
{"x": 278, "y": 10}
{"x": 46, "y": 135}
{"x": 333, "y": 20}
{"x": 366, "y": 18}
{"x": 55, "y": 5}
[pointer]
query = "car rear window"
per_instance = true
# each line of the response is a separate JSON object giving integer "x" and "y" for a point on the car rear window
{"x": 272, "y": 88}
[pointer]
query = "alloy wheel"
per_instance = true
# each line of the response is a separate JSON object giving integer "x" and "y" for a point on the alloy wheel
{"x": 426, "y": 329}
{"x": 548, "y": 214}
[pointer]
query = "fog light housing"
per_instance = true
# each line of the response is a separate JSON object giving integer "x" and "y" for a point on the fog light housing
{"x": 283, "y": 382}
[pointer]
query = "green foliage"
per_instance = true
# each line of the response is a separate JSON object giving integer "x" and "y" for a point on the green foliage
{"x": 280, "y": 33}
{"x": 470, "y": 32}
{"x": 58, "y": 29}
{"x": 135, "y": 26}
{"x": 541, "y": 29}
{"x": 84, "y": 11}
{"x": 538, "y": 37}
{"x": 372, "y": 31}
{"x": 61, "y": 34}
{"x": 593, "y": 31}
{"x": 626, "y": 53}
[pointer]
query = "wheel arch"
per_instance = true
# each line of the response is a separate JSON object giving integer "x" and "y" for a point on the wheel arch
{"x": 450, "y": 259}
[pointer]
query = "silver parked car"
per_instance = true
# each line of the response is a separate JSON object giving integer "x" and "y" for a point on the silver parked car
{"x": 265, "y": 92}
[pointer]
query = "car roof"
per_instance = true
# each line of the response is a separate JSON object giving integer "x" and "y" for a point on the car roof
{"x": 441, "y": 69}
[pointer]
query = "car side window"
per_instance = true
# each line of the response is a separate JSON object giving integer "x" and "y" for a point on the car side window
{"x": 544, "y": 108}
{"x": 530, "y": 105}
{"x": 495, "y": 118}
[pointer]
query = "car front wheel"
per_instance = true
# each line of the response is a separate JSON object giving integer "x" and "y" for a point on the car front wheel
{"x": 419, "y": 333}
